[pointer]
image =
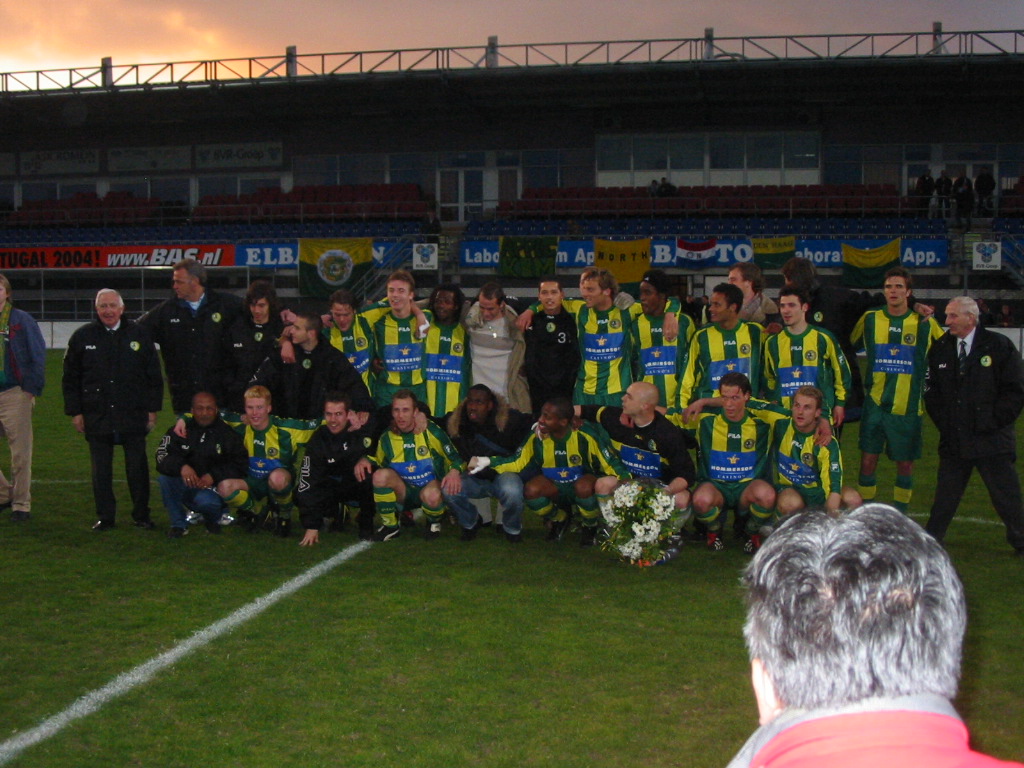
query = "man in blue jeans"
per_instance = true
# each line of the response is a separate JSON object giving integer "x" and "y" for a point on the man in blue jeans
{"x": 485, "y": 425}
{"x": 192, "y": 468}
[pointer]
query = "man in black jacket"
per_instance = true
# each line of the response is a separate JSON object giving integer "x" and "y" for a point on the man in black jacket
{"x": 190, "y": 330}
{"x": 485, "y": 425}
{"x": 192, "y": 467}
{"x": 299, "y": 388}
{"x": 328, "y": 476}
{"x": 112, "y": 392}
{"x": 974, "y": 393}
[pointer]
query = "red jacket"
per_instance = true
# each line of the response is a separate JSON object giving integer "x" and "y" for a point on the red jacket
{"x": 897, "y": 738}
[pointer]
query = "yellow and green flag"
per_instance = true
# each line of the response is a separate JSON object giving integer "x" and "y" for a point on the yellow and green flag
{"x": 773, "y": 252}
{"x": 866, "y": 267}
{"x": 626, "y": 259}
{"x": 329, "y": 264}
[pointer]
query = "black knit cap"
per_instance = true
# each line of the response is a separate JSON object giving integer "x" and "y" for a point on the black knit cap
{"x": 658, "y": 280}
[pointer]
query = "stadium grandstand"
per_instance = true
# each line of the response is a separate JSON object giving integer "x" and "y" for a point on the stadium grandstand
{"x": 715, "y": 149}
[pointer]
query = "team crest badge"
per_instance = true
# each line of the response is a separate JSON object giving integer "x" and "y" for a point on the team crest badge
{"x": 366, "y": 442}
{"x": 819, "y": 316}
{"x": 575, "y": 459}
{"x": 457, "y": 348}
{"x": 135, "y": 346}
{"x": 744, "y": 349}
{"x": 651, "y": 446}
{"x": 421, "y": 450}
{"x": 810, "y": 355}
{"x": 216, "y": 317}
{"x": 614, "y": 324}
{"x": 748, "y": 444}
{"x": 909, "y": 338}
{"x": 550, "y": 327}
{"x": 259, "y": 336}
{"x": 986, "y": 361}
{"x": 307, "y": 363}
{"x": 272, "y": 453}
{"x": 360, "y": 342}
{"x": 808, "y": 459}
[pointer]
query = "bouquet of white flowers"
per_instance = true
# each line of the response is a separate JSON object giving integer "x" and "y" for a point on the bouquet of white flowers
{"x": 641, "y": 519}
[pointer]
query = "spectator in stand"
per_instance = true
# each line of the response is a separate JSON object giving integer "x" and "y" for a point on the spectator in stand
{"x": 923, "y": 191}
{"x": 1006, "y": 319}
{"x": 552, "y": 351}
{"x": 943, "y": 193}
{"x": 963, "y": 196}
{"x": 985, "y": 315}
{"x": 756, "y": 306}
{"x": 112, "y": 392}
{"x": 984, "y": 188}
{"x": 666, "y": 188}
{"x": 22, "y": 374}
{"x": 653, "y": 187}
{"x": 499, "y": 348}
{"x": 190, "y": 329}
{"x": 248, "y": 342}
{"x": 855, "y": 625}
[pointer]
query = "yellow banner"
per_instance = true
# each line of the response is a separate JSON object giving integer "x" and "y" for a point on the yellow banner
{"x": 328, "y": 264}
{"x": 627, "y": 260}
{"x": 872, "y": 258}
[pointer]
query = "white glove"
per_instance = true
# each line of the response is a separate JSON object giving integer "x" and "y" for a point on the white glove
{"x": 479, "y": 463}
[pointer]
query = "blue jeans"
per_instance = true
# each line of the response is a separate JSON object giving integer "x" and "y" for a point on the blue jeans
{"x": 203, "y": 500}
{"x": 507, "y": 488}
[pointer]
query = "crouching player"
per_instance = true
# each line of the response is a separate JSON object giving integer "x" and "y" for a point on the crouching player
{"x": 733, "y": 459}
{"x": 330, "y": 474}
{"x": 272, "y": 444}
{"x": 806, "y": 473}
{"x": 409, "y": 464}
{"x": 648, "y": 444}
{"x": 569, "y": 461}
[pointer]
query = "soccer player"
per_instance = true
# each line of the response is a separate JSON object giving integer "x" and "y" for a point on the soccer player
{"x": 896, "y": 341}
{"x": 398, "y": 341}
{"x": 569, "y": 461}
{"x": 805, "y": 355}
{"x": 728, "y": 345}
{"x": 648, "y": 444}
{"x": 552, "y": 350}
{"x": 733, "y": 455}
{"x": 806, "y": 474}
{"x": 605, "y": 336}
{"x": 350, "y": 334}
{"x": 657, "y": 360}
{"x": 413, "y": 468}
{"x": 327, "y": 478}
{"x": 272, "y": 444}
{"x": 446, "y": 351}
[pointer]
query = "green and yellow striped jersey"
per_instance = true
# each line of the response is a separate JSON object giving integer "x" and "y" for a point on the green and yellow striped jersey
{"x": 658, "y": 361}
{"x": 731, "y": 451}
{"x": 813, "y": 358}
{"x": 897, "y": 353}
{"x": 796, "y": 459}
{"x": 715, "y": 352}
{"x": 276, "y": 446}
{"x": 401, "y": 353}
{"x": 580, "y": 452}
{"x": 357, "y": 345}
{"x": 447, "y": 367}
{"x": 418, "y": 458}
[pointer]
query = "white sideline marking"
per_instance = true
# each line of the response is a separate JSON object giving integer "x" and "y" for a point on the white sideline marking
{"x": 125, "y": 682}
